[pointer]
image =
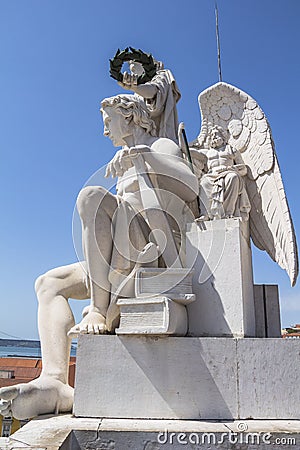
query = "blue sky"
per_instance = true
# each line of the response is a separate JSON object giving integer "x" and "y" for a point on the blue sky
{"x": 54, "y": 73}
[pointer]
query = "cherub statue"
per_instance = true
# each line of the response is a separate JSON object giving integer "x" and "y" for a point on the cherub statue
{"x": 242, "y": 175}
{"x": 154, "y": 184}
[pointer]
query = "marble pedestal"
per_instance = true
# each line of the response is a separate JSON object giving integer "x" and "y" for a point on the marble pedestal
{"x": 186, "y": 378}
{"x": 65, "y": 432}
{"x": 220, "y": 253}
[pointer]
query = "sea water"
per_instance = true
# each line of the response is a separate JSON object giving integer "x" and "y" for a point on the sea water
{"x": 19, "y": 352}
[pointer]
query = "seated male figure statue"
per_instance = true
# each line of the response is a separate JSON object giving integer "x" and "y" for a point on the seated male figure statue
{"x": 222, "y": 188}
{"x": 107, "y": 260}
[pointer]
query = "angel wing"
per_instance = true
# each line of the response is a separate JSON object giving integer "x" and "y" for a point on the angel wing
{"x": 271, "y": 226}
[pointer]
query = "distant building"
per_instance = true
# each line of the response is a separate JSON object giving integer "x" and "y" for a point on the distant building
{"x": 21, "y": 370}
{"x": 291, "y": 332}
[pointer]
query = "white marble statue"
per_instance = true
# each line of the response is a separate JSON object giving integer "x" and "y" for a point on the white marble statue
{"x": 240, "y": 175}
{"x": 144, "y": 224}
{"x": 222, "y": 189}
{"x": 119, "y": 233}
{"x": 160, "y": 95}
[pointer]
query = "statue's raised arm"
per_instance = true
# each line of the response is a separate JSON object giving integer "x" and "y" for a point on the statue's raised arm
{"x": 247, "y": 134}
{"x": 152, "y": 84}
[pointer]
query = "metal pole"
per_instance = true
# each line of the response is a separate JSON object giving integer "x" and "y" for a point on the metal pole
{"x": 218, "y": 42}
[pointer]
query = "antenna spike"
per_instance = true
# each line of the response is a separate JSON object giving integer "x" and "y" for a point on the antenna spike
{"x": 218, "y": 41}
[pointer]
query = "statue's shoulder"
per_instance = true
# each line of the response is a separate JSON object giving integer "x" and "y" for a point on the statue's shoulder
{"x": 165, "y": 145}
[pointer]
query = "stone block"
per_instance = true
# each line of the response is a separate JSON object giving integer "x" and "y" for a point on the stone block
{"x": 174, "y": 283}
{"x": 156, "y": 377}
{"x": 260, "y": 313}
{"x": 268, "y": 378}
{"x": 65, "y": 432}
{"x": 272, "y": 310}
{"x": 220, "y": 253}
{"x": 267, "y": 311}
{"x": 152, "y": 315}
{"x": 138, "y": 377}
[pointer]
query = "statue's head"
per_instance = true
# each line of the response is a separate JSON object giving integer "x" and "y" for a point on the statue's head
{"x": 122, "y": 114}
{"x": 217, "y": 137}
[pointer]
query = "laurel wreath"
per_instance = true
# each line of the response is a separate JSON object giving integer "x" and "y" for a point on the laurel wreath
{"x": 130, "y": 53}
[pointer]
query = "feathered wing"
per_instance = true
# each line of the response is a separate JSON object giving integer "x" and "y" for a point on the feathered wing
{"x": 271, "y": 226}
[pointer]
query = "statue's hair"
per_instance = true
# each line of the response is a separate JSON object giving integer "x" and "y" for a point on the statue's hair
{"x": 132, "y": 107}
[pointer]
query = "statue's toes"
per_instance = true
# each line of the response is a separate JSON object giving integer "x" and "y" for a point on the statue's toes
{"x": 74, "y": 331}
{"x": 5, "y": 407}
{"x": 9, "y": 393}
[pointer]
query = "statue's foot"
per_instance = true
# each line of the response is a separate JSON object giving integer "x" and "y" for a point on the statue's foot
{"x": 45, "y": 395}
{"x": 202, "y": 218}
{"x": 92, "y": 323}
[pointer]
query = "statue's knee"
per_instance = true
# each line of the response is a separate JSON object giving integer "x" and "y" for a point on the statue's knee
{"x": 40, "y": 284}
{"x": 45, "y": 286}
{"x": 89, "y": 199}
{"x": 232, "y": 178}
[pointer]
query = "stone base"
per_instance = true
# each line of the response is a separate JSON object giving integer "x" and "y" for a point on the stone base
{"x": 220, "y": 253}
{"x": 186, "y": 378}
{"x": 65, "y": 432}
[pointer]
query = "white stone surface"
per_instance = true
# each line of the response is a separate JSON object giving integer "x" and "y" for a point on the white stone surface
{"x": 174, "y": 283}
{"x": 50, "y": 432}
{"x": 143, "y": 377}
{"x": 187, "y": 378}
{"x": 152, "y": 315}
{"x": 220, "y": 253}
{"x": 268, "y": 378}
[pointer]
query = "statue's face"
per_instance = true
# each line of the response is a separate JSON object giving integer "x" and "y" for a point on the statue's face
{"x": 216, "y": 139}
{"x": 115, "y": 126}
{"x": 136, "y": 68}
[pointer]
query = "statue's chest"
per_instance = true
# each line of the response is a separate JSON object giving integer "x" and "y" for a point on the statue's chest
{"x": 219, "y": 154}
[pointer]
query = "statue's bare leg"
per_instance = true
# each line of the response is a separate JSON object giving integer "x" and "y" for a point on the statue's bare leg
{"x": 50, "y": 393}
{"x": 96, "y": 207}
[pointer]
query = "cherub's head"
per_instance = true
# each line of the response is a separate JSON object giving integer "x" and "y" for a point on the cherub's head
{"x": 122, "y": 114}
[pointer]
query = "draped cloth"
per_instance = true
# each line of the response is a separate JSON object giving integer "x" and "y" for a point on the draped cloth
{"x": 162, "y": 108}
{"x": 224, "y": 194}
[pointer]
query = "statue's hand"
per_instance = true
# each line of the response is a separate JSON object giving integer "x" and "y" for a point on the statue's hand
{"x": 123, "y": 160}
{"x": 129, "y": 79}
{"x": 124, "y": 86}
{"x": 119, "y": 164}
{"x": 138, "y": 150}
